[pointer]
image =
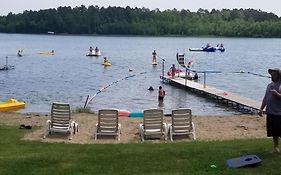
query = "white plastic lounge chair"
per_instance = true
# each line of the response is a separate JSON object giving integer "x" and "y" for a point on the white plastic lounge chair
{"x": 61, "y": 120}
{"x": 181, "y": 123}
{"x": 108, "y": 123}
{"x": 153, "y": 126}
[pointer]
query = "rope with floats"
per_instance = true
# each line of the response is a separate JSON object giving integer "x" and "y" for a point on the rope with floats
{"x": 110, "y": 84}
{"x": 252, "y": 73}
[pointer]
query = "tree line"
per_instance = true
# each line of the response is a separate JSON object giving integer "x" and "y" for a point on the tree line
{"x": 142, "y": 21}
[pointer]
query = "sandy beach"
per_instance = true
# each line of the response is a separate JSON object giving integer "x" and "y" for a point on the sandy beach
{"x": 207, "y": 128}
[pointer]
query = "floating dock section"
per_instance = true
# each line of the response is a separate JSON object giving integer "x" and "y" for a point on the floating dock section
{"x": 242, "y": 104}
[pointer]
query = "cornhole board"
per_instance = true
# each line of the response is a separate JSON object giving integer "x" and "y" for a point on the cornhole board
{"x": 248, "y": 160}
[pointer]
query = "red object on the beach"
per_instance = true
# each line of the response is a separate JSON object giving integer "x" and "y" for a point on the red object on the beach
{"x": 225, "y": 93}
{"x": 123, "y": 113}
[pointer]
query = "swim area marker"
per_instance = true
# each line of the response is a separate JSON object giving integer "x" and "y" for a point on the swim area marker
{"x": 112, "y": 83}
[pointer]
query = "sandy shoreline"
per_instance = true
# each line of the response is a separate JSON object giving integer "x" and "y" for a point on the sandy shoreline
{"x": 207, "y": 127}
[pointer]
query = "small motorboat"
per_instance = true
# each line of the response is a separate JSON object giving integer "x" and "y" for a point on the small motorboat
{"x": 11, "y": 104}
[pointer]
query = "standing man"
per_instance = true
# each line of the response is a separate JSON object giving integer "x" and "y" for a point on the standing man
{"x": 272, "y": 102}
{"x": 154, "y": 56}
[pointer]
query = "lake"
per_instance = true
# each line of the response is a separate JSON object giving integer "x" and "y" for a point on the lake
{"x": 69, "y": 75}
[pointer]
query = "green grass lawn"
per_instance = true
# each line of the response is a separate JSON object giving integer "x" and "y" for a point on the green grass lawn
{"x": 195, "y": 157}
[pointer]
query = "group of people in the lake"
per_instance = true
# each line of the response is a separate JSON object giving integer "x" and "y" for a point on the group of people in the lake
{"x": 96, "y": 52}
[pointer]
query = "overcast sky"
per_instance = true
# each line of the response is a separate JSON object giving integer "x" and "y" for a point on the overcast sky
{"x": 18, "y": 6}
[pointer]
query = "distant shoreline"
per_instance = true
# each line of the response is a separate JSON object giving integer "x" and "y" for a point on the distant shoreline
{"x": 157, "y": 36}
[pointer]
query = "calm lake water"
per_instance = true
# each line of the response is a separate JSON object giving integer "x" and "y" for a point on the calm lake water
{"x": 69, "y": 75}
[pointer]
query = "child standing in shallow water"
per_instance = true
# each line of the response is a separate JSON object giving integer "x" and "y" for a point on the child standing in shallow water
{"x": 161, "y": 94}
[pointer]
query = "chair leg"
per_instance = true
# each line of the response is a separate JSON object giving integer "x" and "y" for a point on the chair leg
{"x": 140, "y": 128}
{"x": 47, "y": 128}
{"x": 165, "y": 130}
{"x": 71, "y": 134}
{"x": 76, "y": 128}
{"x": 193, "y": 133}
{"x": 171, "y": 133}
{"x": 96, "y": 134}
{"x": 119, "y": 131}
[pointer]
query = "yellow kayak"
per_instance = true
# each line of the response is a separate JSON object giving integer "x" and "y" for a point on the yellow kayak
{"x": 106, "y": 64}
{"x": 46, "y": 53}
{"x": 11, "y": 104}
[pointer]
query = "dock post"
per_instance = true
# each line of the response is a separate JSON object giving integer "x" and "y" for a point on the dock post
{"x": 173, "y": 71}
{"x": 185, "y": 81}
{"x": 204, "y": 80}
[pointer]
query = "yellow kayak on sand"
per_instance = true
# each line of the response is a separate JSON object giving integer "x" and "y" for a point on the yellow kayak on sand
{"x": 11, "y": 104}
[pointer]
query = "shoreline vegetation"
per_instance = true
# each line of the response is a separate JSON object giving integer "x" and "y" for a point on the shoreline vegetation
{"x": 94, "y": 20}
{"x": 207, "y": 128}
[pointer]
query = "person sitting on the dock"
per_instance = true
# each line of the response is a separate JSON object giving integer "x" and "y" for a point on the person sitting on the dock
{"x": 272, "y": 102}
{"x": 195, "y": 76}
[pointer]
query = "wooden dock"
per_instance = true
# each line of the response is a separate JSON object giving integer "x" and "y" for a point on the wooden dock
{"x": 242, "y": 104}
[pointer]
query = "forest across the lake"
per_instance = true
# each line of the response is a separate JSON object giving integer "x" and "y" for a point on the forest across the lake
{"x": 94, "y": 20}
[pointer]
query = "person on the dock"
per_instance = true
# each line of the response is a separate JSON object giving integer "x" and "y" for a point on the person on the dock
{"x": 162, "y": 94}
{"x": 154, "y": 56}
{"x": 272, "y": 102}
{"x": 195, "y": 76}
